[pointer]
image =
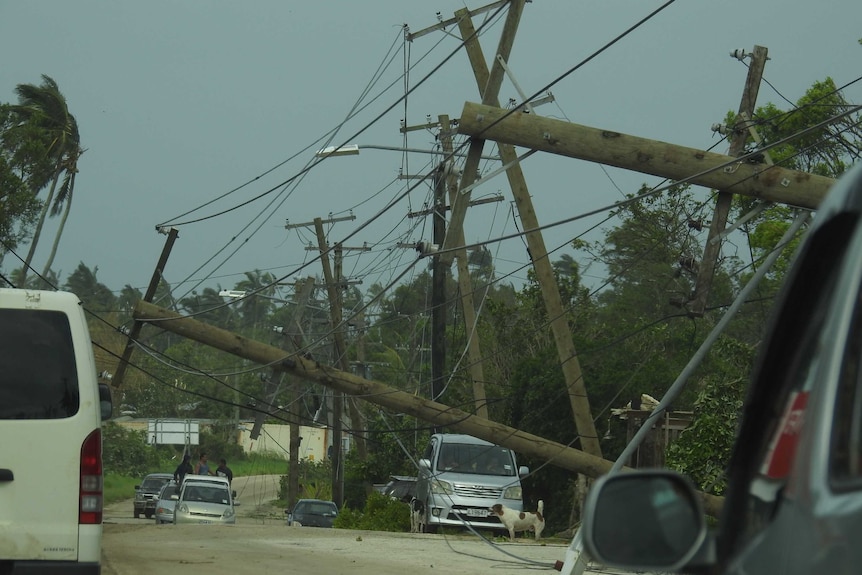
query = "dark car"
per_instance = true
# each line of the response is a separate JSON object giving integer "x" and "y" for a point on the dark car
{"x": 793, "y": 503}
{"x": 400, "y": 487}
{"x": 147, "y": 493}
{"x": 312, "y": 513}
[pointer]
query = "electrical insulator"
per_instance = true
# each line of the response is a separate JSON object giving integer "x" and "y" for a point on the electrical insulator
{"x": 739, "y": 54}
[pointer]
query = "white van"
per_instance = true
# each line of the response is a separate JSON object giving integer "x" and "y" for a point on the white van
{"x": 51, "y": 409}
{"x": 461, "y": 477}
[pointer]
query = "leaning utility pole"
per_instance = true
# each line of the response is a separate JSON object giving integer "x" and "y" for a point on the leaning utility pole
{"x": 135, "y": 332}
{"x": 489, "y": 82}
{"x": 738, "y": 137}
{"x": 772, "y": 183}
{"x": 465, "y": 284}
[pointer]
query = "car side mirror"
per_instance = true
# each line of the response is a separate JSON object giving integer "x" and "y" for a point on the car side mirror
{"x": 523, "y": 471}
{"x": 175, "y": 497}
{"x": 425, "y": 463}
{"x": 647, "y": 520}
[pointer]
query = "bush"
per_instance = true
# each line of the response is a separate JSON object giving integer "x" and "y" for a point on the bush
{"x": 381, "y": 513}
{"x": 125, "y": 452}
{"x": 315, "y": 481}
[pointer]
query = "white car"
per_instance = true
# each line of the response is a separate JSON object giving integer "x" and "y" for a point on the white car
{"x": 204, "y": 501}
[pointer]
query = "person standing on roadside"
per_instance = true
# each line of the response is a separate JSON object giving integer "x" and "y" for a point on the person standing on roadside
{"x": 203, "y": 467}
{"x": 183, "y": 468}
{"x": 224, "y": 471}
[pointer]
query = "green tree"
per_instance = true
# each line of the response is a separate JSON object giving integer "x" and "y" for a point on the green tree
{"x": 258, "y": 304}
{"x": 19, "y": 160}
{"x": 95, "y": 295}
{"x": 210, "y": 307}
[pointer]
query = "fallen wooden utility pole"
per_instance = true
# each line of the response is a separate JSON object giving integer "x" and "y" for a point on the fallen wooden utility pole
{"x": 653, "y": 157}
{"x": 374, "y": 392}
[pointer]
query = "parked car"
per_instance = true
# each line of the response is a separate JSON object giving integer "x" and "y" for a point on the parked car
{"x": 312, "y": 513}
{"x": 205, "y": 501}
{"x": 400, "y": 487}
{"x": 166, "y": 502}
{"x": 147, "y": 493}
{"x": 794, "y": 497}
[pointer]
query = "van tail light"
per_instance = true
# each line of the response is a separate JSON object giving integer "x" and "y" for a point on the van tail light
{"x": 90, "y": 495}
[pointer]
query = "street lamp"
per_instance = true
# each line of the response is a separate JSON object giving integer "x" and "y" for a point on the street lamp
{"x": 346, "y": 150}
{"x": 233, "y": 294}
{"x": 353, "y": 150}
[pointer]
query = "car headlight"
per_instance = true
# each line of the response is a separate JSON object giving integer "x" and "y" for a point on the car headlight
{"x": 228, "y": 513}
{"x": 440, "y": 487}
{"x": 183, "y": 508}
{"x": 139, "y": 496}
{"x": 513, "y": 492}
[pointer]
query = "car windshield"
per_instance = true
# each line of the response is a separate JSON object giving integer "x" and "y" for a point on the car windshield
{"x": 153, "y": 483}
{"x": 317, "y": 508}
{"x": 477, "y": 459}
{"x": 207, "y": 494}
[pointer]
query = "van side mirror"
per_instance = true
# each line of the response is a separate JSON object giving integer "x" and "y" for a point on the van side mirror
{"x": 425, "y": 463}
{"x": 644, "y": 520}
{"x": 106, "y": 405}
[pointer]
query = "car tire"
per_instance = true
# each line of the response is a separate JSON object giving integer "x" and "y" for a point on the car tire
{"x": 137, "y": 513}
{"x": 149, "y": 514}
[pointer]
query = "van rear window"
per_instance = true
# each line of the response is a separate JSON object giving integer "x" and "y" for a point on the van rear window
{"x": 38, "y": 374}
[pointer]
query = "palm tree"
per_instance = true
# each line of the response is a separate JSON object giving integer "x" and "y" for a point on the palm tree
{"x": 44, "y": 107}
{"x": 259, "y": 304}
{"x": 63, "y": 201}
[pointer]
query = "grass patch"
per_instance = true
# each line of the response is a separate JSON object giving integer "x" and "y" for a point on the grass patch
{"x": 119, "y": 487}
{"x": 257, "y": 465}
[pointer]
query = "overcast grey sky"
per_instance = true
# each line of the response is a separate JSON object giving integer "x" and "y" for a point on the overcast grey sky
{"x": 179, "y": 103}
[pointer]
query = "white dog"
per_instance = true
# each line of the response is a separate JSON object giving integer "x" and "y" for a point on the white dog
{"x": 417, "y": 515}
{"x": 521, "y": 520}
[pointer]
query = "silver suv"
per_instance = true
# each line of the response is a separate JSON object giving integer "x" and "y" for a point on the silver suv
{"x": 794, "y": 498}
{"x": 461, "y": 478}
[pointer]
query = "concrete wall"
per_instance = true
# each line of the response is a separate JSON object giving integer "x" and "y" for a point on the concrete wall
{"x": 275, "y": 440}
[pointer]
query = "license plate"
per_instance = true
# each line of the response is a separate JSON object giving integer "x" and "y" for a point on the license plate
{"x": 204, "y": 522}
{"x": 477, "y": 512}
